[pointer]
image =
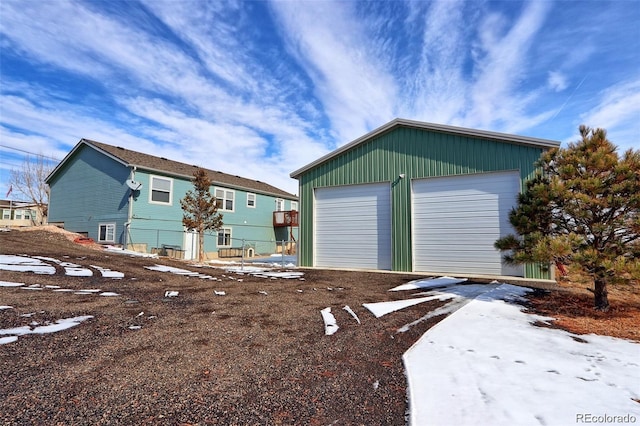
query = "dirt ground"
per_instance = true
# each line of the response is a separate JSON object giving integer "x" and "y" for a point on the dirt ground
{"x": 239, "y": 359}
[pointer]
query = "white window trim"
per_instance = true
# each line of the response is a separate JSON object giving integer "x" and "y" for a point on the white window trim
{"x": 107, "y": 225}
{"x": 230, "y": 237}
{"x": 224, "y": 199}
{"x": 279, "y": 204}
{"x": 294, "y": 205}
{"x": 255, "y": 200}
{"x": 162, "y": 203}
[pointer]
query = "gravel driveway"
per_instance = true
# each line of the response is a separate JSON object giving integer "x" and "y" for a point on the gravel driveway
{"x": 256, "y": 355}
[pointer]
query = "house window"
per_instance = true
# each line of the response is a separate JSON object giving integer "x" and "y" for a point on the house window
{"x": 279, "y": 204}
{"x": 107, "y": 233}
{"x": 18, "y": 215}
{"x": 6, "y": 214}
{"x": 294, "y": 205}
{"x": 251, "y": 200}
{"x": 224, "y": 237}
{"x": 161, "y": 190}
{"x": 27, "y": 214}
{"x": 224, "y": 199}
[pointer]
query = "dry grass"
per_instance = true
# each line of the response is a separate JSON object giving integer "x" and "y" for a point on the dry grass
{"x": 573, "y": 307}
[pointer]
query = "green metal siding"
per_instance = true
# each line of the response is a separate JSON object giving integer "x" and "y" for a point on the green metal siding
{"x": 417, "y": 154}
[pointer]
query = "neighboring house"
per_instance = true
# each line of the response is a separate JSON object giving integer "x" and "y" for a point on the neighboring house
{"x": 414, "y": 196}
{"x": 20, "y": 213}
{"x": 118, "y": 196}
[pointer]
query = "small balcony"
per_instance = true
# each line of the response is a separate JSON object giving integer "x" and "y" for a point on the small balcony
{"x": 285, "y": 218}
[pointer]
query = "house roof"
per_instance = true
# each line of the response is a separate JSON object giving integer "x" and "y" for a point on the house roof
{"x": 163, "y": 165}
{"x": 400, "y": 122}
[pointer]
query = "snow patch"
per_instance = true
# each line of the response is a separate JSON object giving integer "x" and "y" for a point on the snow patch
{"x": 10, "y": 284}
{"x": 429, "y": 283}
{"x": 353, "y": 314}
{"x": 383, "y": 308}
{"x": 494, "y": 364}
{"x": 25, "y": 264}
{"x": 58, "y": 325}
{"x": 330, "y": 324}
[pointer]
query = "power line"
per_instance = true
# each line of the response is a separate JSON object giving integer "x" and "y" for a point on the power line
{"x": 30, "y": 153}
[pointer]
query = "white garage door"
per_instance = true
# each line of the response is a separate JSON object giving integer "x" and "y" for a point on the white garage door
{"x": 457, "y": 219}
{"x": 353, "y": 227}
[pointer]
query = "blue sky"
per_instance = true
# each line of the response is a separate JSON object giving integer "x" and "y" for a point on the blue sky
{"x": 260, "y": 89}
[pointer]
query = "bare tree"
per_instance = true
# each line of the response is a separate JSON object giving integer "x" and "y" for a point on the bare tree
{"x": 30, "y": 182}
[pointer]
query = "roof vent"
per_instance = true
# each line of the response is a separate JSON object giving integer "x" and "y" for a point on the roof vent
{"x": 119, "y": 147}
{"x": 162, "y": 158}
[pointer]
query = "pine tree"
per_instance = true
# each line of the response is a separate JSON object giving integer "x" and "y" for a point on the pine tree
{"x": 200, "y": 209}
{"x": 583, "y": 209}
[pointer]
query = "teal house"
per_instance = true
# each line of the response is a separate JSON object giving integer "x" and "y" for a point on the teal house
{"x": 417, "y": 197}
{"x": 123, "y": 197}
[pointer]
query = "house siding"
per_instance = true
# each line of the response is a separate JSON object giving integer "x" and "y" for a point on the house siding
{"x": 416, "y": 153}
{"x": 89, "y": 191}
{"x": 156, "y": 224}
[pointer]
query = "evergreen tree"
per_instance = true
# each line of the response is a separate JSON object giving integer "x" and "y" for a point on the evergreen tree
{"x": 200, "y": 209}
{"x": 583, "y": 209}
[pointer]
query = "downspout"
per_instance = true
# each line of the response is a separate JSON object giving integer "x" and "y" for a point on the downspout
{"x": 127, "y": 224}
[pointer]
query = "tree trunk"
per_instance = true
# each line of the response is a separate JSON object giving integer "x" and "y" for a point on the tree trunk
{"x": 201, "y": 245}
{"x": 600, "y": 293}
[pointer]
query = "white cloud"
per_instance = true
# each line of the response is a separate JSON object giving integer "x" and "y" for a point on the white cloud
{"x": 328, "y": 39}
{"x": 437, "y": 92}
{"x": 618, "y": 111}
{"x": 222, "y": 90}
{"x": 502, "y": 61}
{"x": 557, "y": 81}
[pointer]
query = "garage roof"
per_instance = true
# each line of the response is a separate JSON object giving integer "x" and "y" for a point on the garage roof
{"x": 400, "y": 122}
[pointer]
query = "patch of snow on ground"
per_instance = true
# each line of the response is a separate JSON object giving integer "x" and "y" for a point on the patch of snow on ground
{"x": 245, "y": 269}
{"x": 330, "y": 324}
{"x": 178, "y": 271}
{"x": 75, "y": 271}
{"x": 289, "y": 261}
{"x": 108, "y": 273}
{"x": 120, "y": 250}
{"x": 25, "y": 264}
{"x": 487, "y": 362}
{"x": 383, "y": 308}
{"x": 10, "y": 284}
{"x": 59, "y": 325}
{"x": 429, "y": 283}
{"x": 285, "y": 275}
{"x": 353, "y": 314}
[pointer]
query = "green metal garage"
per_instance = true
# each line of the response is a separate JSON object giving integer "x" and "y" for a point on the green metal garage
{"x": 415, "y": 196}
